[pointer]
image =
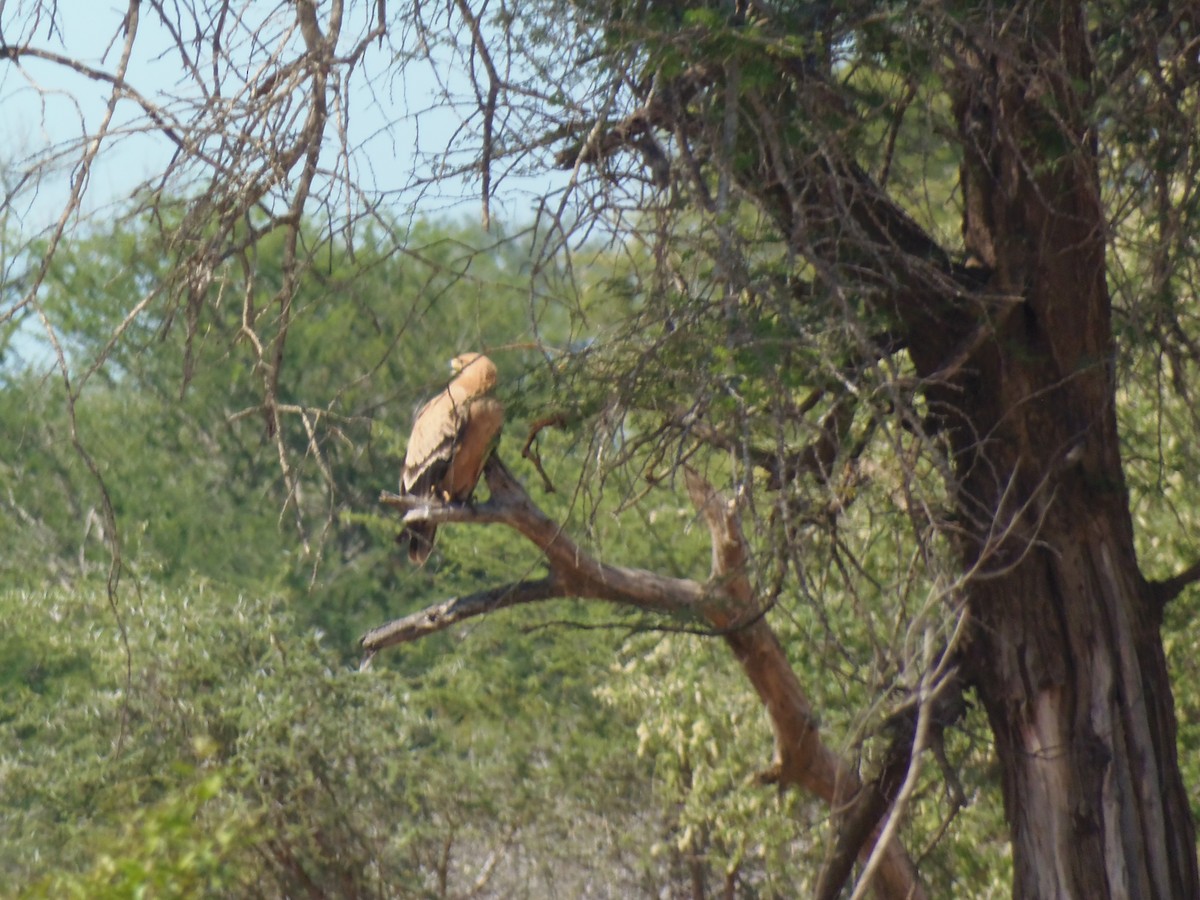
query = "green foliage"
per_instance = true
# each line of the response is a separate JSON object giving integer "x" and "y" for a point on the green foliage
{"x": 173, "y": 414}
{"x": 707, "y": 737}
{"x": 171, "y": 848}
{"x": 237, "y": 756}
{"x": 242, "y": 756}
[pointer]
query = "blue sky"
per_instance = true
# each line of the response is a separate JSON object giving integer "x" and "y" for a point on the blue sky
{"x": 396, "y": 127}
{"x": 48, "y": 113}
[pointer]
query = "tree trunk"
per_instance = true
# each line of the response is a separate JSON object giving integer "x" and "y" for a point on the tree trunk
{"x": 1068, "y": 659}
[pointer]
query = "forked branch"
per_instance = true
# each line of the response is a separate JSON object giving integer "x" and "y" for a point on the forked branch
{"x": 726, "y": 603}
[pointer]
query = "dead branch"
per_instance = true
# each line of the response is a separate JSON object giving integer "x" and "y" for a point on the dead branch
{"x": 457, "y": 609}
{"x": 802, "y": 757}
{"x": 726, "y": 602}
{"x": 578, "y": 574}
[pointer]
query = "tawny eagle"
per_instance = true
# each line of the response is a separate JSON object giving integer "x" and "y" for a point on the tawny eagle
{"x": 453, "y": 435}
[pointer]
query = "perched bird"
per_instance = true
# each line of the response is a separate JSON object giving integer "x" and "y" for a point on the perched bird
{"x": 453, "y": 435}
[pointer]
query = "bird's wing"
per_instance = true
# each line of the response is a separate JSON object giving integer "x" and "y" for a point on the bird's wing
{"x": 435, "y": 433}
{"x": 482, "y": 419}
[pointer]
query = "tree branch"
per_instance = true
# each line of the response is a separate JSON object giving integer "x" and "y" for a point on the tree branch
{"x": 829, "y": 209}
{"x": 578, "y": 574}
{"x": 859, "y": 823}
{"x": 442, "y": 615}
{"x": 530, "y": 450}
{"x": 1168, "y": 589}
{"x": 802, "y": 757}
{"x": 727, "y": 603}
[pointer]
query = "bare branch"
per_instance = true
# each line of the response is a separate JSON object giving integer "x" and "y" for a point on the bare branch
{"x": 727, "y": 603}
{"x": 457, "y": 609}
{"x": 859, "y": 823}
{"x": 530, "y": 450}
{"x": 578, "y": 574}
{"x": 486, "y": 106}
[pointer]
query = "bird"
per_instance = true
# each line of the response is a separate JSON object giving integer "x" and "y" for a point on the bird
{"x": 453, "y": 434}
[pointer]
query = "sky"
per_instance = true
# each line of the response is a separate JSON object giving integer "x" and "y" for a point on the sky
{"x": 399, "y": 123}
{"x": 397, "y": 127}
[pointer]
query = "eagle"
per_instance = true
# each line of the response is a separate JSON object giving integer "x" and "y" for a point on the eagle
{"x": 453, "y": 435}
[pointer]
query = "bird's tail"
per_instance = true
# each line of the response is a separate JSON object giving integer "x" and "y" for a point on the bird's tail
{"x": 419, "y": 537}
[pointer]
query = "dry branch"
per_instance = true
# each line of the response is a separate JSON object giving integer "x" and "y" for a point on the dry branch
{"x": 457, "y": 609}
{"x": 726, "y": 602}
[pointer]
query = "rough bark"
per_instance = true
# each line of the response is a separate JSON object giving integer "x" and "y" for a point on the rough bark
{"x": 1068, "y": 657}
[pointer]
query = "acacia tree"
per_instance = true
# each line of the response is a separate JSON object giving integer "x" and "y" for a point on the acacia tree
{"x": 922, "y": 245}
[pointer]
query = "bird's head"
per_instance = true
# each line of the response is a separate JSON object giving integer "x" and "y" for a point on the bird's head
{"x": 475, "y": 367}
{"x": 463, "y": 360}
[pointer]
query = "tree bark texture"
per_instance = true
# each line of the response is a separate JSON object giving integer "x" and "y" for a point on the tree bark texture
{"x": 1068, "y": 658}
